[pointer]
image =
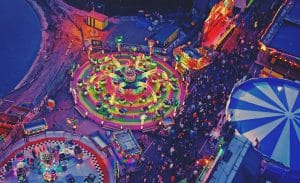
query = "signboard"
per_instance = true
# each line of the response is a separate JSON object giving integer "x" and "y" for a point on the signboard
{"x": 96, "y": 43}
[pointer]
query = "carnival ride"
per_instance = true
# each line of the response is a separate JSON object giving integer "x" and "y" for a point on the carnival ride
{"x": 129, "y": 90}
{"x": 267, "y": 112}
{"x": 218, "y": 24}
{"x": 53, "y": 159}
{"x": 216, "y": 27}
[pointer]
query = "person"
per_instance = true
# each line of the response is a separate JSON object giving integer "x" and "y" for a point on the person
{"x": 209, "y": 91}
{"x": 34, "y": 153}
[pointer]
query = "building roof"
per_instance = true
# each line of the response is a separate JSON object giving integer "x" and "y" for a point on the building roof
{"x": 99, "y": 16}
{"x": 127, "y": 141}
{"x": 164, "y": 33}
{"x": 99, "y": 139}
{"x": 282, "y": 33}
{"x": 241, "y": 163}
{"x": 191, "y": 52}
{"x": 35, "y": 124}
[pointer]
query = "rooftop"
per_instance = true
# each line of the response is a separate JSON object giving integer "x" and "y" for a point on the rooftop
{"x": 98, "y": 16}
{"x": 240, "y": 163}
{"x": 164, "y": 33}
{"x": 281, "y": 34}
{"x": 35, "y": 123}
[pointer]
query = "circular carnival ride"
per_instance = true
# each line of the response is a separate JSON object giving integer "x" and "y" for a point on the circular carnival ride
{"x": 54, "y": 159}
{"x": 127, "y": 90}
{"x": 267, "y": 112}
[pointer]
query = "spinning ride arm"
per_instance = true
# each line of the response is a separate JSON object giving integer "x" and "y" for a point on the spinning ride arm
{"x": 116, "y": 62}
{"x": 121, "y": 87}
{"x": 142, "y": 84}
{"x": 154, "y": 72}
{"x": 137, "y": 62}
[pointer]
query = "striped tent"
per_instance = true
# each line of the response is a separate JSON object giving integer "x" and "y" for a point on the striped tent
{"x": 267, "y": 112}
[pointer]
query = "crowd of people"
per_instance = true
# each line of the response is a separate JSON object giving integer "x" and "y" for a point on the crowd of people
{"x": 176, "y": 152}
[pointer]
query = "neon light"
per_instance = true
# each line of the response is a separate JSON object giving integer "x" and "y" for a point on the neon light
{"x": 118, "y": 39}
{"x": 220, "y": 152}
{"x": 263, "y": 47}
{"x": 250, "y": 3}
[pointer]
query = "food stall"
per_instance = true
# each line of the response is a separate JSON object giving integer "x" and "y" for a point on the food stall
{"x": 126, "y": 146}
{"x": 189, "y": 58}
{"x": 35, "y": 127}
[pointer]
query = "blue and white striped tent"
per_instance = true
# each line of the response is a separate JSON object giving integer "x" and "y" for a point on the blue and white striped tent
{"x": 267, "y": 112}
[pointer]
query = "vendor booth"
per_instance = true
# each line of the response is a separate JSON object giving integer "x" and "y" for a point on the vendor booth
{"x": 35, "y": 127}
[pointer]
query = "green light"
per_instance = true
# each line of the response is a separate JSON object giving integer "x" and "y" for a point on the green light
{"x": 226, "y": 3}
{"x": 250, "y": 2}
{"x": 220, "y": 152}
{"x": 118, "y": 39}
{"x": 134, "y": 49}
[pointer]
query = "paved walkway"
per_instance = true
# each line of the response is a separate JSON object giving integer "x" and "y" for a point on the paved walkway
{"x": 216, "y": 132}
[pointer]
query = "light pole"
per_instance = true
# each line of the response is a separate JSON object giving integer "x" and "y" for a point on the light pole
{"x": 118, "y": 41}
{"x": 93, "y": 13}
{"x": 82, "y": 38}
{"x": 151, "y": 44}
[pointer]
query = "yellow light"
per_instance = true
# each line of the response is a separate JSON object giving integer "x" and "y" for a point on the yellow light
{"x": 263, "y": 47}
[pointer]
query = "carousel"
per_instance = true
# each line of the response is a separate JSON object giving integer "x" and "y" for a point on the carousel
{"x": 54, "y": 160}
{"x": 267, "y": 112}
{"x": 127, "y": 90}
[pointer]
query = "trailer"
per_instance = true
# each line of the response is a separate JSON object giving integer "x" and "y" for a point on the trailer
{"x": 97, "y": 20}
{"x": 35, "y": 127}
